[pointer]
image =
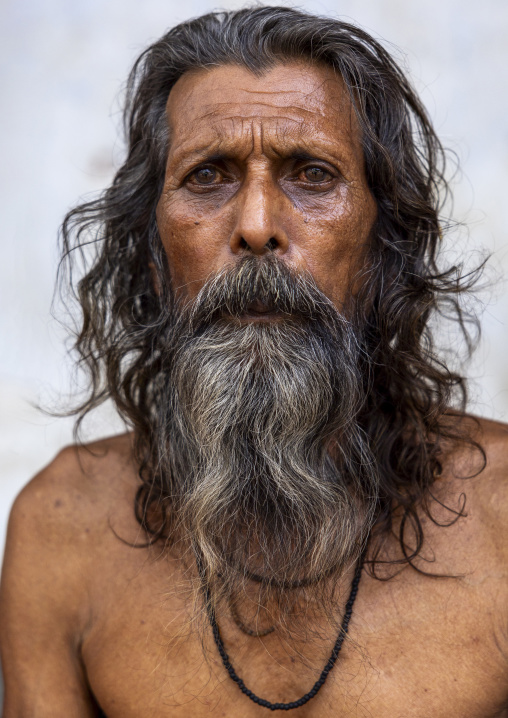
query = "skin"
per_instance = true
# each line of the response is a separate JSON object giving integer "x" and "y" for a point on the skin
{"x": 259, "y": 164}
{"x": 87, "y": 618}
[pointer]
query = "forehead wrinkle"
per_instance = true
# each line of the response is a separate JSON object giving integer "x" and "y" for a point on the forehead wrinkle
{"x": 220, "y": 122}
{"x": 235, "y": 135}
{"x": 302, "y": 117}
{"x": 294, "y": 136}
{"x": 285, "y": 147}
{"x": 224, "y": 133}
{"x": 339, "y": 96}
{"x": 270, "y": 92}
{"x": 236, "y": 107}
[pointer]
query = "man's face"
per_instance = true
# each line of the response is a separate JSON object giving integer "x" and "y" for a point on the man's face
{"x": 264, "y": 163}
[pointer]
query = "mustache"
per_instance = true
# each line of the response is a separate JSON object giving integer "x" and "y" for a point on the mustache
{"x": 267, "y": 281}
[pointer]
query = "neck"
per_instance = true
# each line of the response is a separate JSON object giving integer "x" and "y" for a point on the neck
{"x": 257, "y": 610}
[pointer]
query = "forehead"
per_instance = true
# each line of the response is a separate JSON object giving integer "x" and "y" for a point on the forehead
{"x": 296, "y": 102}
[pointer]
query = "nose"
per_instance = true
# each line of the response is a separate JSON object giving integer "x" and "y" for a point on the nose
{"x": 258, "y": 212}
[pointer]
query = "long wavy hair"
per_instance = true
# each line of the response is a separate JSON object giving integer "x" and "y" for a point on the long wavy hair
{"x": 413, "y": 401}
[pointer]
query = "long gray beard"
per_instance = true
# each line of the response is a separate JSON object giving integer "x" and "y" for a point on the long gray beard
{"x": 270, "y": 475}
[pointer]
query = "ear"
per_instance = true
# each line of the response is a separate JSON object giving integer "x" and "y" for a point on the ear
{"x": 155, "y": 279}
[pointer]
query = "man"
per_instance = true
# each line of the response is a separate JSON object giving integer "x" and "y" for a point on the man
{"x": 303, "y": 516}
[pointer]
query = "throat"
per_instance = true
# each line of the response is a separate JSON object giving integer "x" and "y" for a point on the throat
{"x": 293, "y": 614}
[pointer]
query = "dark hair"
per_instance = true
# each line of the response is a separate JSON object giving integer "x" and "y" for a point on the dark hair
{"x": 409, "y": 395}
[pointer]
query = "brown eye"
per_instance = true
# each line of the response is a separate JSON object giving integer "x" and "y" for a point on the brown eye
{"x": 316, "y": 174}
{"x": 206, "y": 175}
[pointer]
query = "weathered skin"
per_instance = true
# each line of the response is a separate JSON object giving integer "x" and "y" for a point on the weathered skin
{"x": 260, "y": 127}
{"x": 85, "y": 614}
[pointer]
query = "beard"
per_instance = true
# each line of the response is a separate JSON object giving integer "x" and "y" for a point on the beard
{"x": 266, "y": 468}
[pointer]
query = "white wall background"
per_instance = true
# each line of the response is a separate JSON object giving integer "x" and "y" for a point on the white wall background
{"x": 62, "y": 66}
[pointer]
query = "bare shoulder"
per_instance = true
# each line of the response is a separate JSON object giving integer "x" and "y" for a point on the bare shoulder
{"x": 61, "y": 521}
{"x": 77, "y": 489}
{"x": 476, "y": 479}
{"x": 493, "y": 436}
{"x": 105, "y": 465}
{"x": 489, "y": 488}
{"x": 59, "y": 533}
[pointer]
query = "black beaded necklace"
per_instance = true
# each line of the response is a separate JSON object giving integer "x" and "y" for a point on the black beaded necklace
{"x": 324, "y": 673}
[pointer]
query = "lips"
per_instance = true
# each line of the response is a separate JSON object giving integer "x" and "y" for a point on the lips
{"x": 259, "y": 311}
{"x": 259, "y": 307}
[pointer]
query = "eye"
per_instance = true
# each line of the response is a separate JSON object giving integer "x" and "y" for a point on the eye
{"x": 316, "y": 174}
{"x": 206, "y": 175}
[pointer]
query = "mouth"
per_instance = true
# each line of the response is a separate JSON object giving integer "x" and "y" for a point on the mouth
{"x": 256, "y": 312}
{"x": 259, "y": 311}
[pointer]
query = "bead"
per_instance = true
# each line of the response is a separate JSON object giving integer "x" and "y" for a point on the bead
{"x": 324, "y": 674}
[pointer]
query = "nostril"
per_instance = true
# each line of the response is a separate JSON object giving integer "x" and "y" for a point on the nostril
{"x": 268, "y": 247}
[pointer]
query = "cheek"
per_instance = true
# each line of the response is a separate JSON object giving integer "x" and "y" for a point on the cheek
{"x": 193, "y": 245}
{"x": 337, "y": 245}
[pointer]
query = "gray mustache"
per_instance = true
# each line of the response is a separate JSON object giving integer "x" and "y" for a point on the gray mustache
{"x": 266, "y": 281}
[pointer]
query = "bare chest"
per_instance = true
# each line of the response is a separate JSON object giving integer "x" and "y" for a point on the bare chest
{"x": 415, "y": 649}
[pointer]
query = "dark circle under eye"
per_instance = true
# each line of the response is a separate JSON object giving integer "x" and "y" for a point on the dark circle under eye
{"x": 205, "y": 175}
{"x": 316, "y": 174}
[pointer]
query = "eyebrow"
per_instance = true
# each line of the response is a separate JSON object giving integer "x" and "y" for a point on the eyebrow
{"x": 201, "y": 156}
{"x": 297, "y": 154}
{"x": 205, "y": 153}
{"x": 216, "y": 157}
